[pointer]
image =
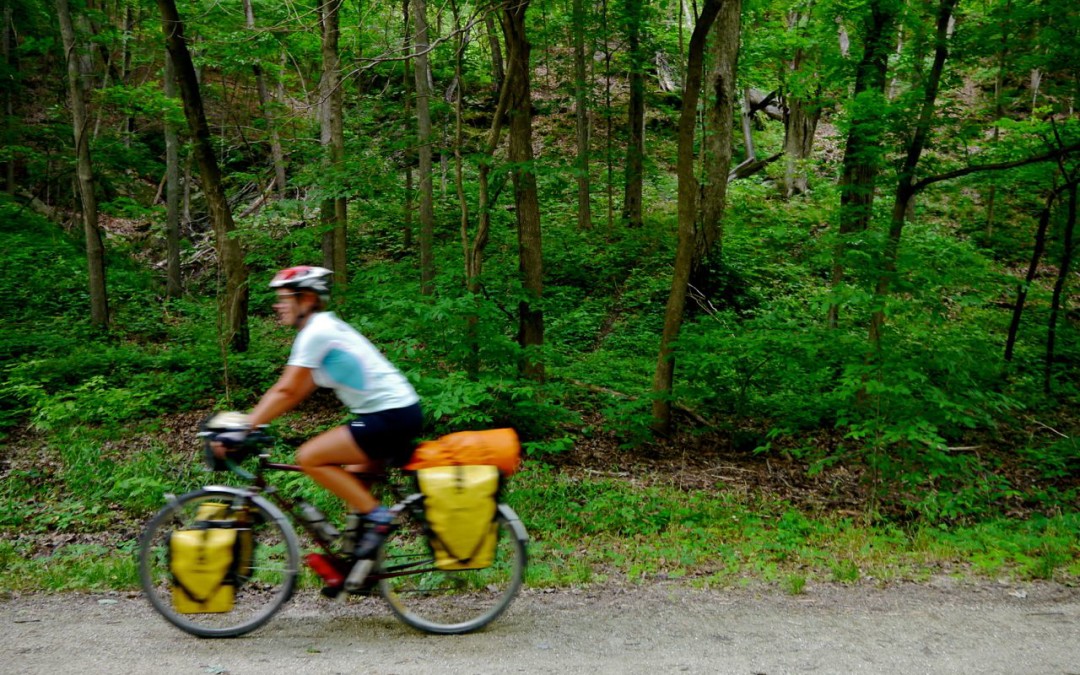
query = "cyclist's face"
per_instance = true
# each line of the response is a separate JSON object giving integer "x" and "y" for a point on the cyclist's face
{"x": 287, "y": 306}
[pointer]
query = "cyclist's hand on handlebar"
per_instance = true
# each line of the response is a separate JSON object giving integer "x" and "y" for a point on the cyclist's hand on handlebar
{"x": 226, "y": 441}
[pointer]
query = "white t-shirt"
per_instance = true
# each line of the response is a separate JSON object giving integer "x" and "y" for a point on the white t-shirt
{"x": 342, "y": 359}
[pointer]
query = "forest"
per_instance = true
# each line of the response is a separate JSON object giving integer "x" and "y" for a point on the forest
{"x": 779, "y": 288}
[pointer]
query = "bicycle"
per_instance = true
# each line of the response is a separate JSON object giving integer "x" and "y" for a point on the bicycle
{"x": 421, "y": 595}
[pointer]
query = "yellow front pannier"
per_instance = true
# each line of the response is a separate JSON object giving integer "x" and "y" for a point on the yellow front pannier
{"x": 460, "y": 505}
{"x": 208, "y": 561}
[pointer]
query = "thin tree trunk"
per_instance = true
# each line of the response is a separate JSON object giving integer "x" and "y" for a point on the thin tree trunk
{"x": 497, "y": 69}
{"x": 905, "y": 185}
{"x": 95, "y": 249}
{"x": 125, "y": 64}
{"x": 474, "y": 255}
{"x": 1033, "y": 268}
{"x": 609, "y": 154}
{"x": 407, "y": 81}
{"x": 235, "y": 302}
{"x": 999, "y": 112}
{"x": 717, "y": 145}
{"x": 185, "y": 211}
{"x": 862, "y": 150}
{"x": 688, "y": 198}
{"x": 1056, "y": 302}
{"x": 9, "y": 97}
{"x": 266, "y": 103}
{"x": 459, "y": 172}
{"x": 472, "y": 266}
{"x": 174, "y": 287}
{"x": 635, "y": 122}
{"x": 747, "y": 119}
{"x": 334, "y": 210}
{"x": 89, "y": 59}
{"x": 801, "y": 115}
{"x": 581, "y": 111}
{"x": 531, "y": 316}
{"x": 422, "y": 77}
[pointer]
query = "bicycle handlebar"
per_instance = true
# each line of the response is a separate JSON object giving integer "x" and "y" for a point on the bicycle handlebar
{"x": 253, "y": 442}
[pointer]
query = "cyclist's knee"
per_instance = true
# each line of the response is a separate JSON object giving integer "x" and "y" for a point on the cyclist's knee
{"x": 306, "y": 457}
{"x": 315, "y": 453}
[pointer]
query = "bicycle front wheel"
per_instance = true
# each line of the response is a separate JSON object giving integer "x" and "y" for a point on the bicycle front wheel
{"x": 449, "y": 601}
{"x": 261, "y": 584}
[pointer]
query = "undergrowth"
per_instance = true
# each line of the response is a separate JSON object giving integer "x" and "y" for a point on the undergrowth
{"x": 591, "y": 531}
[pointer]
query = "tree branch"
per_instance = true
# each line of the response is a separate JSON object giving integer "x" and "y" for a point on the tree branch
{"x": 1000, "y": 166}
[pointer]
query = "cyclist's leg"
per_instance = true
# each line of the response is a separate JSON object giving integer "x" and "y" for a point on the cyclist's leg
{"x": 324, "y": 457}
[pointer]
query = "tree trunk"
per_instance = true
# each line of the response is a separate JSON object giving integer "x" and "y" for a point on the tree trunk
{"x": 519, "y": 103}
{"x": 334, "y": 210}
{"x": 174, "y": 287}
{"x": 127, "y": 42}
{"x": 635, "y": 142}
{"x": 1059, "y": 288}
{"x": 688, "y": 197}
{"x": 609, "y": 155}
{"x": 862, "y": 150}
{"x": 719, "y": 113}
{"x": 581, "y": 112}
{"x": 9, "y": 97}
{"x": 474, "y": 254}
{"x": 266, "y": 104}
{"x": 234, "y": 305}
{"x": 747, "y": 119}
{"x": 407, "y": 81}
{"x": 422, "y": 77}
{"x": 498, "y": 71}
{"x": 905, "y": 185}
{"x": 999, "y": 110}
{"x": 95, "y": 249}
{"x": 1033, "y": 268}
{"x": 800, "y": 124}
{"x": 459, "y": 169}
{"x": 801, "y": 114}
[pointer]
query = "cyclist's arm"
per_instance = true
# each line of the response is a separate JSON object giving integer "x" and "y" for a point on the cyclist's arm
{"x": 294, "y": 385}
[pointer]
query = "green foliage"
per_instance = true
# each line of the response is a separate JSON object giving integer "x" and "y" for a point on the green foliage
{"x": 587, "y": 530}
{"x": 79, "y": 567}
{"x": 938, "y": 422}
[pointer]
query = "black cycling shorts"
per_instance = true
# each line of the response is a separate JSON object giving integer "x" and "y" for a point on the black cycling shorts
{"x": 389, "y": 435}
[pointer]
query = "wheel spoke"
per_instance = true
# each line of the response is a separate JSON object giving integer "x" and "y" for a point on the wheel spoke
{"x": 449, "y": 601}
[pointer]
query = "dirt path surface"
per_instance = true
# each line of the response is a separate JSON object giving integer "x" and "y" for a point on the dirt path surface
{"x": 939, "y": 627}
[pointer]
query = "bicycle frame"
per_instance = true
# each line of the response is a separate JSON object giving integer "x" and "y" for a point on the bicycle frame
{"x": 259, "y": 485}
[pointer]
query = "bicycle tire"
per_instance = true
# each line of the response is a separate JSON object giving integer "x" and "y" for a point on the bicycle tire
{"x": 449, "y": 602}
{"x": 262, "y": 590}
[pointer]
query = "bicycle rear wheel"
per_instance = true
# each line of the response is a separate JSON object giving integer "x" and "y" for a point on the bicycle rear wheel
{"x": 261, "y": 587}
{"x": 442, "y": 601}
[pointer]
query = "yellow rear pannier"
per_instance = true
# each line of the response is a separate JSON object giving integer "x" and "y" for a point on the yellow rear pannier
{"x": 208, "y": 561}
{"x": 460, "y": 505}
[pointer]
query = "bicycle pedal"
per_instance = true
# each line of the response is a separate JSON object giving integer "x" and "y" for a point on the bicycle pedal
{"x": 367, "y": 589}
{"x": 359, "y": 573}
{"x": 333, "y": 592}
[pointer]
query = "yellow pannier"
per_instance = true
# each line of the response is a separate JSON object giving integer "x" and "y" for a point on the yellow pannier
{"x": 208, "y": 561}
{"x": 460, "y": 505}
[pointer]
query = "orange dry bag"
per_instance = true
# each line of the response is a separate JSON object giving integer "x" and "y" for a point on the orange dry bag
{"x": 494, "y": 447}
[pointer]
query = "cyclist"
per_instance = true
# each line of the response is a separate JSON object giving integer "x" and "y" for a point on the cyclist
{"x": 328, "y": 352}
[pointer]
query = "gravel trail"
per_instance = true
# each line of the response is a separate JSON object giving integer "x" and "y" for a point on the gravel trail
{"x": 938, "y": 627}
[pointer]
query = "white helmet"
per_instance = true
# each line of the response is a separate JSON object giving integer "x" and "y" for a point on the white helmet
{"x": 316, "y": 279}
